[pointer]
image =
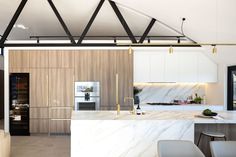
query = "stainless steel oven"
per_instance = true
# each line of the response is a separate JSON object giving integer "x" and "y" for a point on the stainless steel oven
{"x": 87, "y": 95}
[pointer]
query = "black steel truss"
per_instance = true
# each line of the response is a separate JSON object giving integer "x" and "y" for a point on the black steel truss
{"x": 122, "y": 21}
{"x": 83, "y": 36}
{"x": 61, "y": 21}
{"x": 90, "y": 21}
{"x": 12, "y": 22}
{"x": 149, "y": 27}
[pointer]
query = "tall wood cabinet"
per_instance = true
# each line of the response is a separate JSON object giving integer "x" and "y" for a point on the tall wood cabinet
{"x": 52, "y": 77}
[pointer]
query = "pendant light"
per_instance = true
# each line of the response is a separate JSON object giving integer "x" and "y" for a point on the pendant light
{"x": 171, "y": 50}
{"x": 130, "y": 50}
{"x": 214, "y": 49}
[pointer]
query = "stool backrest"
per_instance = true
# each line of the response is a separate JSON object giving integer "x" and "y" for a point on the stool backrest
{"x": 178, "y": 148}
{"x": 223, "y": 148}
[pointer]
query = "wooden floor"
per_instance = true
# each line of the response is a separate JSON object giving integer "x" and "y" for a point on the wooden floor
{"x": 40, "y": 146}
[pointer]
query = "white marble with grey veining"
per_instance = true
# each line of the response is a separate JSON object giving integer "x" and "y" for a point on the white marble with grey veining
{"x": 167, "y": 92}
{"x": 106, "y": 134}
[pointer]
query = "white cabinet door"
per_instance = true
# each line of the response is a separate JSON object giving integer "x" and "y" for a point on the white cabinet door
{"x": 157, "y": 67}
{"x": 188, "y": 69}
{"x": 172, "y": 67}
{"x": 207, "y": 69}
{"x": 141, "y": 67}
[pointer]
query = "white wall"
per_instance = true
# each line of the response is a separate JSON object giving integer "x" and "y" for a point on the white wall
{"x": 1, "y": 63}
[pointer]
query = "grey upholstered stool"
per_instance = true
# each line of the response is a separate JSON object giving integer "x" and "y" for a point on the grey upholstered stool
{"x": 212, "y": 135}
{"x": 223, "y": 148}
{"x": 178, "y": 148}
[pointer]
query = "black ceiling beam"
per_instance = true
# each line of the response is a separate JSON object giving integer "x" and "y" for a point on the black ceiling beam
{"x": 61, "y": 21}
{"x": 90, "y": 21}
{"x": 88, "y": 45}
{"x": 123, "y": 22}
{"x": 149, "y": 27}
{"x": 12, "y": 22}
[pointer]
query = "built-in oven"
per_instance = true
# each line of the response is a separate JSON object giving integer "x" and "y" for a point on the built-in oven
{"x": 87, "y": 95}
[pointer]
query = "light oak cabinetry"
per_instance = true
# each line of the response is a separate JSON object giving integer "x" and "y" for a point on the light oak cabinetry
{"x": 102, "y": 66}
{"x": 38, "y": 59}
{"x": 52, "y": 77}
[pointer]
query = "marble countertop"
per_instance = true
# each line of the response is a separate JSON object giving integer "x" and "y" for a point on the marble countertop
{"x": 226, "y": 116}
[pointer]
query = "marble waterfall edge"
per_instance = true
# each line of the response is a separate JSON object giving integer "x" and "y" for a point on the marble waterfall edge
{"x": 125, "y": 138}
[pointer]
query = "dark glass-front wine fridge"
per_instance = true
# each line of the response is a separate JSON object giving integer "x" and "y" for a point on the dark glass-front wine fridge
{"x": 19, "y": 104}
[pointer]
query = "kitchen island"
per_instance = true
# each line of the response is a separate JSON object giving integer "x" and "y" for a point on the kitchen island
{"x": 106, "y": 134}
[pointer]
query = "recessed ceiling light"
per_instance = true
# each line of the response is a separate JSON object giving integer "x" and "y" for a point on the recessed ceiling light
{"x": 21, "y": 26}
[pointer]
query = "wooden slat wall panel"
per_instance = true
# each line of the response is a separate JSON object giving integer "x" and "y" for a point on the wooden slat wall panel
{"x": 38, "y": 58}
{"x": 18, "y": 59}
{"x": 38, "y": 87}
{"x": 19, "y": 70}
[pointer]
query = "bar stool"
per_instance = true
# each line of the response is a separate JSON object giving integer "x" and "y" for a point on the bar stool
{"x": 212, "y": 135}
{"x": 178, "y": 148}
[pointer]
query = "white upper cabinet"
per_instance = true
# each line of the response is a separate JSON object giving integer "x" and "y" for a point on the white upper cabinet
{"x": 181, "y": 66}
{"x": 157, "y": 68}
{"x": 188, "y": 67}
{"x": 172, "y": 67}
{"x": 141, "y": 67}
{"x": 207, "y": 70}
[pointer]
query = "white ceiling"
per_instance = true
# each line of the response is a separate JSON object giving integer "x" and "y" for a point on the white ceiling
{"x": 207, "y": 20}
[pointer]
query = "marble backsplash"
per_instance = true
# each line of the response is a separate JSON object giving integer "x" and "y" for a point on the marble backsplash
{"x": 167, "y": 92}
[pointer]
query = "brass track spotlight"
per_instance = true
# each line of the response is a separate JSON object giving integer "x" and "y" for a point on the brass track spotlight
{"x": 214, "y": 49}
{"x": 130, "y": 50}
{"x": 171, "y": 50}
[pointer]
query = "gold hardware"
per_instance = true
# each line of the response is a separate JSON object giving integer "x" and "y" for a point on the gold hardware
{"x": 214, "y": 49}
{"x": 171, "y": 50}
{"x": 133, "y": 111}
{"x": 130, "y": 50}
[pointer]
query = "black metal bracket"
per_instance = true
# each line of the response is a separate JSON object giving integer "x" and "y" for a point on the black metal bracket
{"x": 90, "y": 21}
{"x": 12, "y": 22}
{"x": 122, "y": 21}
{"x": 61, "y": 21}
{"x": 149, "y": 27}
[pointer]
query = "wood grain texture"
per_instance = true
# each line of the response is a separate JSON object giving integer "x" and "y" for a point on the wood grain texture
{"x": 102, "y": 66}
{"x": 60, "y": 113}
{"x": 38, "y": 58}
{"x": 18, "y": 70}
{"x": 18, "y": 59}
{"x": 38, "y": 87}
{"x": 39, "y": 125}
{"x": 59, "y": 126}
{"x": 61, "y": 87}
{"x": 39, "y": 113}
{"x": 61, "y": 59}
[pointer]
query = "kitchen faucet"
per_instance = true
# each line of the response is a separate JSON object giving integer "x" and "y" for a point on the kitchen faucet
{"x": 133, "y": 108}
